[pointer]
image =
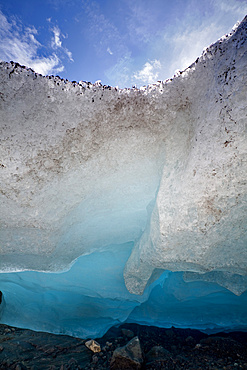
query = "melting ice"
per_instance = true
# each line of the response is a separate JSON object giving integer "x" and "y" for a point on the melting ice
{"x": 126, "y": 205}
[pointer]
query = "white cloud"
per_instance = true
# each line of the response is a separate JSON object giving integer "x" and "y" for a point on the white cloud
{"x": 185, "y": 40}
{"x": 69, "y": 54}
{"x": 109, "y": 51}
{"x": 189, "y": 44}
{"x": 56, "y": 42}
{"x": 236, "y": 7}
{"x": 149, "y": 73}
{"x": 33, "y": 39}
{"x": 19, "y": 43}
{"x": 120, "y": 73}
{"x": 4, "y": 24}
{"x": 46, "y": 66}
{"x": 102, "y": 31}
{"x": 142, "y": 22}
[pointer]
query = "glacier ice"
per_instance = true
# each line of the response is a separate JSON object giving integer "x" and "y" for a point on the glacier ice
{"x": 125, "y": 204}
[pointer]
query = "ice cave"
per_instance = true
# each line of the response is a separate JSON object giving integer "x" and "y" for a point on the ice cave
{"x": 126, "y": 205}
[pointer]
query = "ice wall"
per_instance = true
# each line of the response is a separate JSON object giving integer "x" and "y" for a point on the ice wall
{"x": 130, "y": 184}
{"x": 199, "y": 221}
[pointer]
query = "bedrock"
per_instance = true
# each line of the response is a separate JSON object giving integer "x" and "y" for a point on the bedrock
{"x": 159, "y": 172}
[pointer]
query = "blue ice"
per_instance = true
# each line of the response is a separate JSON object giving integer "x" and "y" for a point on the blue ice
{"x": 91, "y": 297}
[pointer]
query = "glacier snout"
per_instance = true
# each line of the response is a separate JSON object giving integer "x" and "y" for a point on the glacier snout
{"x": 126, "y": 204}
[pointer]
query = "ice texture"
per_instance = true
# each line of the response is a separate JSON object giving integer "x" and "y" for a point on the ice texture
{"x": 91, "y": 297}
{"x": 126, "y": 204}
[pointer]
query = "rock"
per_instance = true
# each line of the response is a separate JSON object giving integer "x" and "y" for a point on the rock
{"x": 128, "y": 357}
{"x": 128, "y": 333}
{"x": 157, "y": 353}
{"x": 190, "y": 340}
{"x": 20, "y": 366}
{"x": 95, "y": 359}
{"x": 197, "y": 346}
{"x": 93, "y": 345}
{"x": 73, "y": 364}
{"x": 170, "y": 333}
{"x": 181, "y": 359}
{"x": 214, "y": 340}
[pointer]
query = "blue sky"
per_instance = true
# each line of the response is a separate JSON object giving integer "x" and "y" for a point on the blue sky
{"x": 120, "y": 42}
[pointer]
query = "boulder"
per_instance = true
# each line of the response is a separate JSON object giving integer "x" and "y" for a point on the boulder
{"x": 93, "y": 345}
{"x": 128, "y": 357}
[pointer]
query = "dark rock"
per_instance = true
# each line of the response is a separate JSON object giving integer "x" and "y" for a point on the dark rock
{"x": 95, "y": 359}
{"x": 128, "y": 357}
{"x": 190, "y": 341}
{"x": 158, "y": 358}
{"x": 157, "y": 353}
{"x": 44, "y": 351}
{"x": 181, "y": 358}
{"x": 215, "y": 340}
{"x": 128, "y": 333}
{"x": 20, "y": 366}
{"x": 170, "y": 333}
{"x": 73, "y": 364}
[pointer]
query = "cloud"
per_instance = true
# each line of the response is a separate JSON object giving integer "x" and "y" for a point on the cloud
{"x": 58, "y": 4}
{"x": 4, "y": 24}
{"x": 149, "y": 73}
{"x": 186, "y": 38}
{"x": 46, "y": 66}
{"x": 109, "y": 51}
{"x": 103, "y": 32}
{"x": 187, "y": 46}
{"x": 120, "y": 73}
{"x": 19, "y": 43}
{"x": 56, "y": 42}
{"x": 141, "y": 21}
{"x": 105, "y": 36}
{"x": 236, "y": 7}
{"x": 69, "y": 54}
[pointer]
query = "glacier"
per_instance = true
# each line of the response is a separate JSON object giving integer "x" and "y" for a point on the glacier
{"x": 126, "y": 205}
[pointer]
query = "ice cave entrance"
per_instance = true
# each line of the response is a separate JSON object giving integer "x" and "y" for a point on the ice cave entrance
{"x": 126, "y": 205}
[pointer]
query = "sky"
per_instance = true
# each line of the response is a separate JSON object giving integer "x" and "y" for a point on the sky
{"x": 119, "y": 42}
